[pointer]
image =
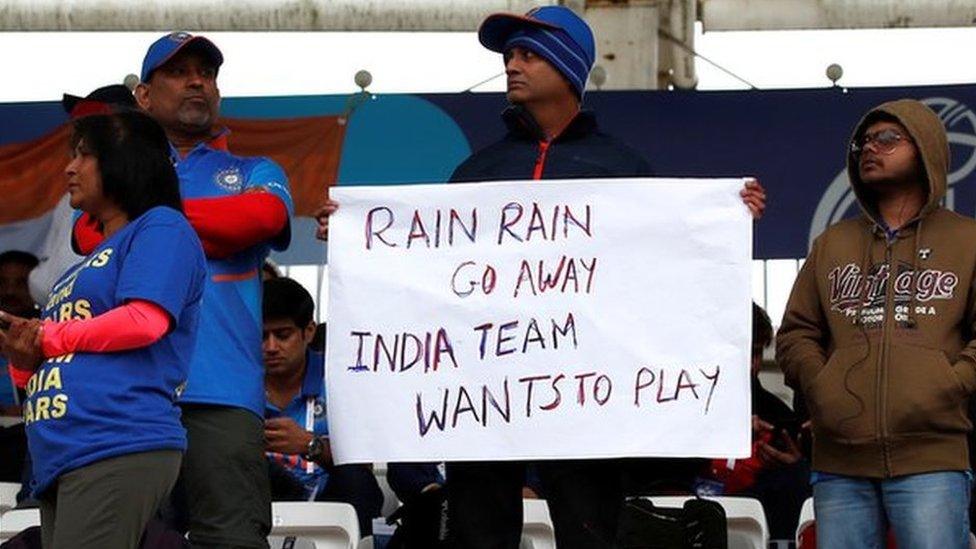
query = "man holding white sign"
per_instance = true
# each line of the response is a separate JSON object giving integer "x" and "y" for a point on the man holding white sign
{"x": 522, "y": 357}
{"x": 548, "y": 54}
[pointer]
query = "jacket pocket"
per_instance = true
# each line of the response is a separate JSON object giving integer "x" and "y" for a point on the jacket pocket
{"x": 842, "y": 395}
{"x": 924, "y": 393}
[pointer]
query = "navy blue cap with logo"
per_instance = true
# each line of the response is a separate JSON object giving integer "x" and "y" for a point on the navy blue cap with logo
{"x": 554, "y": 32}
{"x": 165, "y": 48}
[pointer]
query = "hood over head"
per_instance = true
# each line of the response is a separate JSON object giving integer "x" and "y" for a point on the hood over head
{"x": 929, "y": 135}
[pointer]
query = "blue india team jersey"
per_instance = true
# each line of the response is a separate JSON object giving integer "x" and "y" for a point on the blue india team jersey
{"x": 227, "y": 368}
{"x": 86, "y": 407}
{"x": 308, "y": 410}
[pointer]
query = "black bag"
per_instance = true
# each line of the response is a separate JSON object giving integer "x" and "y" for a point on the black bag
{"x": 159, "y": 535}
{"x": 156, "y": 536}
{"x": 29, "y": 538}
{"x": 421, "y": 522}
{"x": 700, "y": 524}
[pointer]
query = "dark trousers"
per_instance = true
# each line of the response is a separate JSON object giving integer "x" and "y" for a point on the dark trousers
{"x": 485, "y": 502}
{"x": 223, "y": 497}
{"x": 584, "y": 497}
{"x": 107, "y": 503}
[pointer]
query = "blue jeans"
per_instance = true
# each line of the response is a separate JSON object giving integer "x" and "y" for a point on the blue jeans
{"x": 929, "y": 510}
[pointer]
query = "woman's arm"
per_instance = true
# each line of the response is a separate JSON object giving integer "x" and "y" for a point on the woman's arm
{"x": 133, "y": 325}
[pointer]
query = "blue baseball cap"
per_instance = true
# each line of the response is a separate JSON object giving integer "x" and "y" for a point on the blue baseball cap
{"x": 554, "y": 32}
{"x": 165, "y": 48}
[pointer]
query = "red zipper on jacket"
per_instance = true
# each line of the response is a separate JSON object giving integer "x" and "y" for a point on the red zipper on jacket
{"x": 540, "y": 162}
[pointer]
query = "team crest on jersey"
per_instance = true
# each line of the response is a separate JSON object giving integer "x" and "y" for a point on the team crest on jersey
{"x": 230, "y": 179}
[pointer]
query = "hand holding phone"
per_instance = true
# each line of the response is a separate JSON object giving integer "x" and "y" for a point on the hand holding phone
{"x": 20, "y": 341}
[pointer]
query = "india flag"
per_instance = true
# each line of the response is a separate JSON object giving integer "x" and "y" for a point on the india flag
{"x": 34, "y": 213}
{"x": 35, "y": 216}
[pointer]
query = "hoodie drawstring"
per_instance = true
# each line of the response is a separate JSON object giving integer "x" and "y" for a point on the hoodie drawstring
{"x": 863, "y": 293}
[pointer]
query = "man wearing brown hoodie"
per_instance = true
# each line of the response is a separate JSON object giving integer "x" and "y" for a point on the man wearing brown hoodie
{"x": 878, "y": 338}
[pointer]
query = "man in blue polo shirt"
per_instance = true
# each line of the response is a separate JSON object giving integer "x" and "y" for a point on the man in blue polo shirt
{"x": 240, "y": 208}
{"x": 295, "y": 428}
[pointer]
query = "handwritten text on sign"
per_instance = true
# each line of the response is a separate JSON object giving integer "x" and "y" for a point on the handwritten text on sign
{"x": 522, "y": 320}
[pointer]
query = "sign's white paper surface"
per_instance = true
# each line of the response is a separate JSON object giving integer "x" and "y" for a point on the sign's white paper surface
{"x": 538, "y": 320}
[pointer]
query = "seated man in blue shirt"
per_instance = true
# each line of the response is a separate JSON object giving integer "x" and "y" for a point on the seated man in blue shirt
{"x": 295, "y": 428}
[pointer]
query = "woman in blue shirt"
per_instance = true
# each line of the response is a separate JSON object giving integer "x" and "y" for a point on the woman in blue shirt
{"x": 111, "y": 354}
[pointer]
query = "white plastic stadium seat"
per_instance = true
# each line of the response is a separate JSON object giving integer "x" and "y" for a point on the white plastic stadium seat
{"x": 537, "y": 532}
{"x": 16, "y": 520}
{"x": 390, "y": 501}
{"x": 8, "y": 496}
{"x": 745, "y": 519}
{"x": 327, "y": 525}
{"x": 807, "y": 518}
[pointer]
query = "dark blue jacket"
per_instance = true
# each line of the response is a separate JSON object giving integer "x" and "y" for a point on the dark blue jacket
{"x": 580, "y": 151}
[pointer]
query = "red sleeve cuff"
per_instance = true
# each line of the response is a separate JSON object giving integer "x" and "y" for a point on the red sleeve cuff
{"x": 19, "y": 377}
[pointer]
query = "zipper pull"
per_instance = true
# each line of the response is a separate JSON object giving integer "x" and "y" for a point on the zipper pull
{"x": 540, "y": 161}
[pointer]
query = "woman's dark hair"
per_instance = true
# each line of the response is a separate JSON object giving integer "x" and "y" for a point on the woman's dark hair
{"x": 133, "y": 159}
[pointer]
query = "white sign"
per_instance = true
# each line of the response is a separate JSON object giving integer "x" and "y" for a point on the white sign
{"x": 540, "y": 320}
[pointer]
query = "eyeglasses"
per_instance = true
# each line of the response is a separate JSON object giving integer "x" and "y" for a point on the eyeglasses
{"x": 884, "y": 142}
